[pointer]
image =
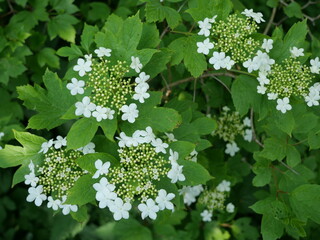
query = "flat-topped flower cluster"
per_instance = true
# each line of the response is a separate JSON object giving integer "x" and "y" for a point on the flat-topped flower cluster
{"x": 144, "y": 161}
{"x": 58, "y": 172}
{"x": 107, "y": 87}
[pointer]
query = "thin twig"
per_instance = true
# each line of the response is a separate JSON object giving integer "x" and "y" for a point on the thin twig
{"x": 273, "y": 14}
{"x": 222, "y": 83}
{"x": 194, "y": 90}
{"x": 309, "y": 3}
{"x": 291, "y": 169}
{"x": 254, "y": 136}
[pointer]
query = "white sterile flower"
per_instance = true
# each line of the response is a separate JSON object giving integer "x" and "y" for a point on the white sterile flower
{"x": 206, "y": 216}
{"x": 283, "y": 105}
{"x": 36, "y": 195}
{"x": 102, "y": 168}
{"x": 142, "y": 78}
{"x": 263, "y": 61}
{"x": 261, "y": 89}
{"x": 213, "y": 19}
{"x": 1, "y": 135}
{"x": 31, "y": 179}
{"x": 119, "y": 209}
{"x": 82, "y": 67}
{"x": 101, "y": 51}
{"x": 159, "y": 145}
{"x": 54, "y": 204}
{"x": 224, "y": 186}
{"x": 230, "y": 208}
{"x": 247, "y": 122}
{"x": 110, "y": 113}
{"x": 218, "y": 60}
{"x": 106, "y": 195}
{"x": 103, "y": 183}
{"x": 315, "y": 65}
{"x": 123, "y": 139}
{"x": 60, "y": 142}
{"x": 248, "y": 135}
{"x": 296, "y": 52}
{"x": 170, "y": 137}
{"x": 85, "y": 107}
{"x": 130, "y": 113}
{"x": 267, "y": 44}
{"x": 89, "y": 148}
{"x": 141, "y": 92}
{"x": 228, "y": 63}
{"x": 205, "y": 46}
{"x": 88, "y": 57}
{"x": 247, "y": 12}
{"x": 174, "y": 156}
{"x": 76, "y": 86}
{"x": 251, "y": 65}
{"x": 135, "y": 64}
{"x": 272, "y": 96}
{"x": 100, "y": 113}
{"x": 205, "y": 27}
{"x": 190, "y": 193}
{"x": 231, "y": 149}
{"x": 45, "y": 146}
{"x": 257, "y": 17}
{"x": 263, "y": 78}
{"x": 163, "y": 199}
{"x": 1, "y": 148}
{"x": 149, "y": 209}
{"x": 148, "y": 135}
{"x": 313, "y": 98}
{"x": 67, "y": 208}
{"x": 175, "y": 173}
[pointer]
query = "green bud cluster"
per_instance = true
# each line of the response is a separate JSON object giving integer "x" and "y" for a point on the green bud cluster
{"x": 212, "y": 199}
{"x": 140, "y": 168}
{"x": 229, "y": 126}
{"x": 234, "y": 37}
{"x": 110, "y": 88}
{"x": 59, "y": 171}
{"x": 291, "y": 78}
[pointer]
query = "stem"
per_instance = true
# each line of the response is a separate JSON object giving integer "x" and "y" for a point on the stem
{"x": 242, "y": 72}
{"x": 291, "y": 169}
{"x": 185, "y": 33}
{"x": 254, "y": 135}
{"x": 273, "y": 14}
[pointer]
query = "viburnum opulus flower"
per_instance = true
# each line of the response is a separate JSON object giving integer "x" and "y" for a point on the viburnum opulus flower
{"x": 143, "y": 163}
{"x": 105, "y": 87}
{"x": 55, "y": 175}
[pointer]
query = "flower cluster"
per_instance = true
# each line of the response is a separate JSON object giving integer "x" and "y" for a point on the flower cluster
{"x": 58, "y": 172}
{"x": 229, "y": 127}
{"x": 190, "y": 193}
{"x": 143, "y": 163}
{"x": 215, "y": 200}
{"x": 108, "y": 86}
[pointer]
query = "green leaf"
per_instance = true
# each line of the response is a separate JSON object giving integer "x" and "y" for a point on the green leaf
{"x": 61, "y": 26}
{"x": 109, "y": 127}
{"x": 293, "y": 10}
{"x": 242, "y": 229}
{"x": 204, "y": 125}
{"x": 274, "y": 149}
{"x": 314, "y": 139}
{"x": 70, "y": 52}
{"x": 81, "y": 215}
{"x": 131, "y": 229}
{"x": 87, "y": 37}
{"x": 194, "y": 172}
{"x": 262, "y": 170}
{"x": 48, "y": 56}
{"x": 285, "y": 122}
{"x": 158, "y": 62}
{"x": 156, "y": 12}
{"x": 293, "y": 156}
{"x": 149, "y": 37}
{"x": 305, "y": 201}
{"x": 82, "y": 191}
{"x": 50, "y": 104}
{"x": 98, "y": 11}
{"x": 81, "y": 132}
{"x": 183, "y": 148}
{"x": 272, "y": 3}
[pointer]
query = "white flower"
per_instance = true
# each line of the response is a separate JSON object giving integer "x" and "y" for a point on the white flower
{"x": 261, "y": 89}
{"x": 163, "y": 199}
{"x": 206, "y": 216}
{"x": 105, "y": 192}
{"x": 102, "y": 168}
{"x": 135, "y": 64}
{"x": 228, "y": 62}
{"x": 256, "y": 16}
{"x": 123, "y": 140}
{"x": 230, "y": 208}
{"x": 224, "y": 186}
{"x": 142, "y": 78}
{"x": 218, "y": 60}
{"x": 76, "y": 87}
{"x": 141, "y": 92}
{"x": 149, "y": 209}
{"x": 36, "y": 195}
{"x": 170, "y": 137}
{"x": 130, "y": 112}
{"x": 148, "y": 135}
{"x": 247, "y": 12}
{"x": 119, "y": 209}
{"x": 175, "y": 173}
{"x": 54, "y": 204}
{"x": 231, "y": 149}
{"x": 267, "y": 44}
{"x": 88, "y": 57}
{"x": 296, "y": 52}
{"x": 82, "y": 67}
{"x": 60, "y": 142}
{"x": 89, "y": 148}
{"x": 205, "y": 27}
{"x": 101, "y": 51}
{"x": 100, "y": 113}
{"x": 159, "y": 145}
{"x": 174, "y": 156}
{"x": 263, "y": 78}
{"x": 315, "y": 65}
{"x": 263, "y": 62}
{"x": 205, "y": 46}
{"x": 312, "y": 99}
{"x": 272, "y": 96}
{"x": 45, "y": 146}
{"x": 247, "y": 122}
{"x": 110, "y": 113}
{"x": 103, "y": 183}
{"x": 85, "y": 107}
{"x": 66, "y": 208}
{"x": 283, "y": 105}
{"x": 1, "y": 135}
{"x": 190, "y": 193}
{"x": 213, "y": 19}
{"x": 31, "y": 179}
{"x": 251, "y": 65}
{"x": 248, "y": 135}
